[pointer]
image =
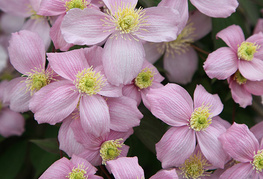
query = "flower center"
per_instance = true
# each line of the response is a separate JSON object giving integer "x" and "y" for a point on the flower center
{"x": 81, "y": 4}
{"x": 181, "y": 44}
{"x": 200, "y": 119}
{"x": 89, "y": 82}
{"x": 144, "y": 78}
{"x": 247, "y": 50}
{"x": 78, "y": 173}
{"x": 194, "y": 166}
{"x": 37, "y": 79}
{"x": 258, "y": 161}
{"x": 110, "y": 150}
{"x": 239, "y": 78}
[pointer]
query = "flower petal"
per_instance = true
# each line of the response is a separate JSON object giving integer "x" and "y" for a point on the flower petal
{"x": 239, "y": 143}
{"x": 51, "y": 8}
{"x": 68, "y": 64}
{"x": 254, "y": 87}
{"x": 161, "y": 26}
{"x": 167, "y": 174}
{"x": 11, "y": 23}
{"x": 131, "y": 91}
{"x": 94, "y": 115}
{"x": 214, "y": 8}
{"x": 18, "y": 8}
{"x": 257, "y": 130}
{"x": 54, "y": 102}
{"x": 91, "y": 170}
{"x": 202, "y": 97}
{"x": 26, "y": 51}
{"x": 84, "y": 27}
{"x": 252, "y": 70}
{"x": 153, "y": 51}
{"x": 240, "y": 170}
{"x": 114, "y": 5}
{"x": 122, "y": 59}
{"x": 221, "y": 63}
{"x": 180, "y": 68}
{"x": 176, "y": 145}
{"x": 172, "y": 104}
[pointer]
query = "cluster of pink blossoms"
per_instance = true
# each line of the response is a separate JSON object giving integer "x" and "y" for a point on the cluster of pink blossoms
{"x": 87, "y": 65}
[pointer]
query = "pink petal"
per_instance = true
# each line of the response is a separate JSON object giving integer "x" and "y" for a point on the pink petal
{"x": 91, "y": 170}
{"x": 56, "y": 36}
{"x": 114, "y": 5}
{"x": 238, "y": 171}
{"x": 11, "y": 23}
{"x": 18, "y": 8}
{"x": 259, "y": 26}
{"x": 239, "y": 94}
{"x": 41, "y": 27}
{"x": 167, "y": 174}
{"x": 252, "y": 70}
{"x": 176, "y": 145}
{"x": 54, "y": 102}
{"x": 211, "y": 146}
{"x": 181, "y": 6}
{"x": 113, "y": 135}
{"x": 214, "y": 8}
{"x": 94, "y": 115}
{"x": 84, "y": 27}
{"x": 11, "y": 123}
{"x": 131, "y": 91}
{"x": 161, "y": 26}
{"x": 66, "y": 65}
{"x": 180, "y": 68}
{"x": 258, "y": 40}
{"x": 239, "y": 143}
{"x": 202, "y": 97}
{"x": 58, "y": 169}
{"x": 257, "y": 130}
{"x": 51, "y": 8}
{"x": 126, "y": 167}
{"x": 152, "y": 51}
{"x": 26, "y": 51}
{"x": 124, "y": 113}
{"x": 122, "y": 59}
{"x": 232, "y": 36}
{"x": 92, "y": 156}
{"x": 221, "y": 63}
{"x": 157, "y": 76}
{"x": 201, "y": 23}
{"x": 94, "y": 55}
{"x": 254, "y": 87}
{"x": 172, "y": 104}
{"x": 66, "y": 138}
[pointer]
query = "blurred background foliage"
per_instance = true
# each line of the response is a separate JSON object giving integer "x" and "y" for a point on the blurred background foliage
{"x": 29, "y": 155}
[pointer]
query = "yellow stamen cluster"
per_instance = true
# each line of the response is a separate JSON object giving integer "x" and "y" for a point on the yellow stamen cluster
{"x": 110, "y": 150}
{"x": 37, "y": 79}
{"x": 238, "y": 77}
{"x": 181, "y": 44}
{"x": 194, "y": 167}
{"x": 200, "y": 119}
{"x": 89, "y": 82}
{"x": 247, "y": 50}
{"x": 81, "y": 4}
{"x": 78, "y": 173}
{"x": 145, "y": 78}
{"x": 258, "y": 161}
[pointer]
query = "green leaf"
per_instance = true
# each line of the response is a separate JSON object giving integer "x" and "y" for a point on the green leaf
{"x": 49, "y": 145}
{"x": 251, "y": 10}
{"x": 12, "y": 159}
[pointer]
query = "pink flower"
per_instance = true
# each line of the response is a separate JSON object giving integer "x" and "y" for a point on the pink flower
{"x": 76, "y": 167}
{"x": 27, "y": 55}
{"x": 180, "y": 59}
{"x": 242, "y": 146}
{"x": 125, "y": 26}
{"x": 191, "y": 121}
{"x": 243, "y": 55}
{"x": 83, "y": 87}
{"x": 148, "y": 78}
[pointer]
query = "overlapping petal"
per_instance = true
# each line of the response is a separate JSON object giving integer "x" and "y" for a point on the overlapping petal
{"x": 240, "y": 170}
{"x": 252, "y": 70}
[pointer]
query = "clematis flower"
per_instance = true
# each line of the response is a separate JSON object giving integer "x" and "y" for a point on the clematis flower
{"x": 214, "y": 8}
{"x": 76, "y": 167}
{"x": 129, "y": 168}
{"x": 96, "y": 150}
{"x": 148, "y": 78}
{"x": 27, "y": 55}
{"x": 243, "y": 55}
{"x": 180, "y": 59}
{"x": 83, "y": 87}
{"x": 125, "y": 26}
{"x": 11, "y": 122}
{"x": 191, "y": 121}
{"x": 242, "y": 89}
{"x": 241, "y": 144}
